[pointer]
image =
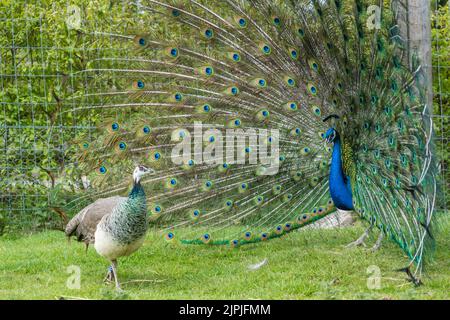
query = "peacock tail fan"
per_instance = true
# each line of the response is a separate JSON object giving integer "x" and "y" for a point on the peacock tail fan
{"x": 225, "y": 100}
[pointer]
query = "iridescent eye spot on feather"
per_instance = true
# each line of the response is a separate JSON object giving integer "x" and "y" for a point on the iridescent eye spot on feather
{"x": 378, "y": 128}
{"x": 276, "y": 189}
{"x": 388, "y": 111}
{"x": 305, "y": 150}
{"x": 176, "y": 13}
{"x": 291, "y": 106}
{"x": 157, "y": 156}
{"x": 206, "y": 238}
{"x": 208, "y": 33}
{"x": 234, "y": 243}
{"x": 85, "y": 145}
{"x": 278, "y": 229}
{"x": 207, "y": 185}
{"x": 312, "y": 89}
{"x": 122, "y": 146}
{"x": 139, "y": 84}
{"x": 169, "y": 236}
{"x": 236, "y": 57}
{"x": 296, "y": 132}
{"x": 394, "y": 86}
{"x": 301, "y": 32}
{"x": 377, "y": 153}
{"x": 248, "y": 235}
{"x": 276, "y": 21}
{"x": 195, "y": 214}
{"x": 178, "y": 97}
{"x": 264, "y": 113}
{"x": 403, "y": 160}
{"x": 142, "y": 42}
{"x": 209, "y": 71}
{"x": 172, "y": 52}
{"x": 294, "y": 54}
{"x": 264, "y": 236}
{"x": 102, "y": 170}
{"x": 258, "y": 200}
{"x": 316, "y": 110}
{"x": 233, "y": 91}
{"x": 290, "y": 82}
{"x": 157, "y": 209}
{"x": 287, "y": 226}
{"x": 391, "y": 140}
{"x": 266, "y": 49}
{"x": 146, "y": 130}
{"x": 115, "y": 126}
{"x": 313, "y": 65}
{"x": 374, "y": 99}
{"x": 241, "y": 22}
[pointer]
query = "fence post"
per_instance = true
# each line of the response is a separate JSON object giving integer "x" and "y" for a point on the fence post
{"x": 419, "y": 38}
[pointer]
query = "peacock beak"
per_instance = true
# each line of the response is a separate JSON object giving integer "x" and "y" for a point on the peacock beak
{"x": 149, "y": 171}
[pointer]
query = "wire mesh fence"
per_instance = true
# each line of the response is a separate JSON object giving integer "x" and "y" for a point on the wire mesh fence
{"x": 42, "y": 53}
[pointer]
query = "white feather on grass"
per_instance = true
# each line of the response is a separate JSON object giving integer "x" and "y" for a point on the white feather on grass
{"x": 258, "y": 265}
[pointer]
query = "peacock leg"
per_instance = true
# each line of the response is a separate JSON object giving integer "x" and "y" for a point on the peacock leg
{"x": 360, "y": 240}
{"x": 109, "y": 275}
{"x": 377, "y": 244}
{"x": 114, "y": 268}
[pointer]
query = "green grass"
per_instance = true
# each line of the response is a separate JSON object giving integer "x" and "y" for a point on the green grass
{"x": 312, "y": 264}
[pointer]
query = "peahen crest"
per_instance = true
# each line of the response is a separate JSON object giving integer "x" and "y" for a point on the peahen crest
{"x": 225, "y": 100}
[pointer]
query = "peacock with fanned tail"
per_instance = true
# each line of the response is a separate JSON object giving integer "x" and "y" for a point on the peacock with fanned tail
{"x": 321, "y": 106}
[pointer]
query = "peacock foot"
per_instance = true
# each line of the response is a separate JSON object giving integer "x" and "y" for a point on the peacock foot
{"x": 109, "y": 275}
{"x": 377, "y": 244}
{"x": 360, "y": 240}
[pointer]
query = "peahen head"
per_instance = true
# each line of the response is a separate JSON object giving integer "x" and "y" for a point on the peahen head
{"x": 331, "y": 135}
{"x": 141, "y": 171}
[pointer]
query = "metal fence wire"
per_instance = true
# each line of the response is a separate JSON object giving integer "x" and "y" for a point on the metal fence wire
{"x": 40, "y": 53}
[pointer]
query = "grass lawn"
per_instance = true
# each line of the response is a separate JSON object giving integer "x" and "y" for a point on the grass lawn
{"x": 313, "y": 264}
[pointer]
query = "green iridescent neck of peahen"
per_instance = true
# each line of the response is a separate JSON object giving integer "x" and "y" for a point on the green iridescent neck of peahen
{"x": 137, "y": 191}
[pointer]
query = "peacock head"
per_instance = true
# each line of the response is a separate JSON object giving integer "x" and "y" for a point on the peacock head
{"x": 331, "y": 135}
{"x": 141, "y": 171}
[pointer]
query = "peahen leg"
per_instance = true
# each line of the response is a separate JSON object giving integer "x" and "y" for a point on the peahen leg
{"x": 377, "y": 244}
{"x": 360, "y": 240}
{"x": 109, "y": 275}
{"x": 114, "y": 269}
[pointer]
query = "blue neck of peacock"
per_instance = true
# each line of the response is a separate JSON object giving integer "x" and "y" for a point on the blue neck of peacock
{"x": 340, "y": 188}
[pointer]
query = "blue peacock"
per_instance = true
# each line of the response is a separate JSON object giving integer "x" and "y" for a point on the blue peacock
{"x": 336, "y": 109}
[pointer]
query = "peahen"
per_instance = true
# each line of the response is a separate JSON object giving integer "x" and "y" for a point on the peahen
{"x": 116, "y": 225}
{"x": 262, "y": 117}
